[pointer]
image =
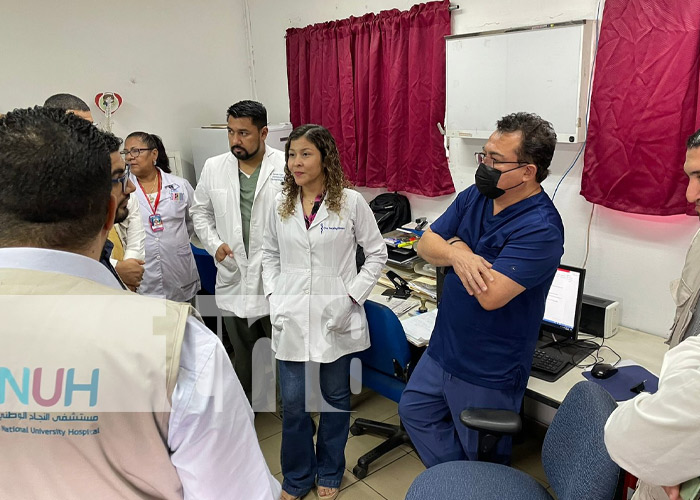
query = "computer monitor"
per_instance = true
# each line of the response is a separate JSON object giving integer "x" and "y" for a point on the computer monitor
{"x": 562, "y": 311}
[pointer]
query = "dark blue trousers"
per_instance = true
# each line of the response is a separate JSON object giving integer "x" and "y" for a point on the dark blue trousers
{"x": 430, "y": 407}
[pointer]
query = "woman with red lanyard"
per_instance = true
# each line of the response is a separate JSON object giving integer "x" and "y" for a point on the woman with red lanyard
{"x": 164, "y": 202}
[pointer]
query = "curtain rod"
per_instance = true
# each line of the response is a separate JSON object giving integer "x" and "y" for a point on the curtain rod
{"x": 453, "y": 6}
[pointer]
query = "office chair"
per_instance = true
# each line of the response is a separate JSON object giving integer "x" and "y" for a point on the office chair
{"x": 386, "y": 366}
{"x": 574, "y": 457}
{"x": 206, "y": 268}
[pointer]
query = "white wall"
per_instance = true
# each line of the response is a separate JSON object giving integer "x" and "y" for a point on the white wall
{"x": 632, "y": 258}
{"x": 178, "y": 64}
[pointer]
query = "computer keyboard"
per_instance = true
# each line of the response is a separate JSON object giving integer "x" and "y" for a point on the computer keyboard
{"x": 546, "y": 363}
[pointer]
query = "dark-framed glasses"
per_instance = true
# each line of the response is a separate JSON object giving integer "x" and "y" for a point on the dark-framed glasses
{"x": 487, "y": 160}
{"x": 134, "y": 152}
{"x": 124, "y": 179}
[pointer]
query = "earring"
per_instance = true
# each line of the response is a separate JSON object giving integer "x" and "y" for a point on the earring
{"x": 154, "y": 163}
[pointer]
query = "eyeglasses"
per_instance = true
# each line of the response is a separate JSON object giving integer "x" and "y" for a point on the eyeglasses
{"x": 134, "y": 152}
{"x": 485, "y": 159}
{"x": 124, "y": 179}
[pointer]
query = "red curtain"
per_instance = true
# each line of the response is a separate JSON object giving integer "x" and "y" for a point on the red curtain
{"x": 644, "y": 106}
{"x": 378, "y": 84}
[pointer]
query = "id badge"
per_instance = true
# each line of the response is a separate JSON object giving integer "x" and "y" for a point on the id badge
{"x": 156, "y": 222}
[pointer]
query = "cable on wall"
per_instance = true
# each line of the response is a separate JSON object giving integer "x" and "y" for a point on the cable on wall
{"x": 251, "y": 53}
{"x": 588, "y": 102}
{"x": 588, "y": 237}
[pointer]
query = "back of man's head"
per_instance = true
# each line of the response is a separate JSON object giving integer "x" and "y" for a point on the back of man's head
{"x": 66, "y": 102}
{"x": 69, "y": 103}
{"x": 55, "y": 174}
{"x": 249, "y": 109}
{"x": 538, "y": 140}
{"x": 112, "y": 142}
{"x": 693, "y": 141}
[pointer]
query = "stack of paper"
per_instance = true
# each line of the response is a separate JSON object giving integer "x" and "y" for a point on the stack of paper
{"x": 399, "y": 306}
{"x": 424, "y": 286}
{"x": 419, "y": 328}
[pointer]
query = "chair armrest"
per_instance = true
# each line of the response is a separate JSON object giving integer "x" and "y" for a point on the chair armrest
{"x": 498, "y": 422}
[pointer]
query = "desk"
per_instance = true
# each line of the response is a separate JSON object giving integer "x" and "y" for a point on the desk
{"x": 415, "y": 298}
{"x": 643, "y": 348}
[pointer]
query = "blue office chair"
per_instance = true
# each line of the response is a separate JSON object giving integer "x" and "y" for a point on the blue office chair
{"x": 386, "y": 366}
{"x": 206, "y": 268}
{"x": 574, "y": 457}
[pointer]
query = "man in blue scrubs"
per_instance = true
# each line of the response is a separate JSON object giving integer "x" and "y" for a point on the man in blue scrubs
{"x": 501, "y": 240}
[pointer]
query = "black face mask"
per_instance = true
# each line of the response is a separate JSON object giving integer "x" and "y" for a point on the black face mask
{"x": 486, "y": 180}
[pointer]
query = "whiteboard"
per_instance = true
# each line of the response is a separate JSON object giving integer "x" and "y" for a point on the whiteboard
{"x": 543, "y": 70}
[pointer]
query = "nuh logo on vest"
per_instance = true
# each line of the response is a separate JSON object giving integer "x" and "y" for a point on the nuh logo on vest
{"x": 22, "y": 391}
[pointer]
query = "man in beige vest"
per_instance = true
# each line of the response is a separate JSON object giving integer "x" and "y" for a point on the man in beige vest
{"x": 656, "y": 437}
{"x": 103, "y": 393}
{"x": 125, "y": 249}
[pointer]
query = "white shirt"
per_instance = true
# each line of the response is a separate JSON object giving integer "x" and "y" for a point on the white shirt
{"x": 656, "y": 437}
{"x": 131, "y": 232}
{"x": 211, "y": 435}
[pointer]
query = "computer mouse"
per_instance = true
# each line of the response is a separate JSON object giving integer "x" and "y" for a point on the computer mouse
{"x": 603, "y": 370}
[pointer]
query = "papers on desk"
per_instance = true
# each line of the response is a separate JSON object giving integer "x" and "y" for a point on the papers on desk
{"x": 399, "y": 306}
{"x": 426, "y": 286}
{"x": 419, "y": 328}
{"x": 422, "y": 285}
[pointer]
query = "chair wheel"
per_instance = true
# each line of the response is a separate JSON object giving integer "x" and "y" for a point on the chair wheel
{"x": 359, "y": 472}
{"x": 356, "y": 430}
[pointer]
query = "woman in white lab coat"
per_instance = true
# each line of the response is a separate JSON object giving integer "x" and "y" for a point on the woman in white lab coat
{"x": 316, "y": 297}
{"x": 164, "y": 201}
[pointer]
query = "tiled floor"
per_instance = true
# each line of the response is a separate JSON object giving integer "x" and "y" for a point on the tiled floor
{"x": 389, "y": 477}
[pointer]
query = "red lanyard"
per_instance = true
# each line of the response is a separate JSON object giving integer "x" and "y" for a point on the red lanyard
{"x": 154, "y": 207}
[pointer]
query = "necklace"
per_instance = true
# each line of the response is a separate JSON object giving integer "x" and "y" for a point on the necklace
{"x": 152, "y": 186}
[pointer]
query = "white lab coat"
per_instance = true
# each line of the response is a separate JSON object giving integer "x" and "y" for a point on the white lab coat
{"x": 310, "y": 275}
{"x": 216, "y": 213}
{"x": 170, "y": 269}
{"x": 656, "y": 436}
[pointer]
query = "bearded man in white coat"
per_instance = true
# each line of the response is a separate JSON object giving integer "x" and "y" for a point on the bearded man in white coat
{"x": 234, "y": 195}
